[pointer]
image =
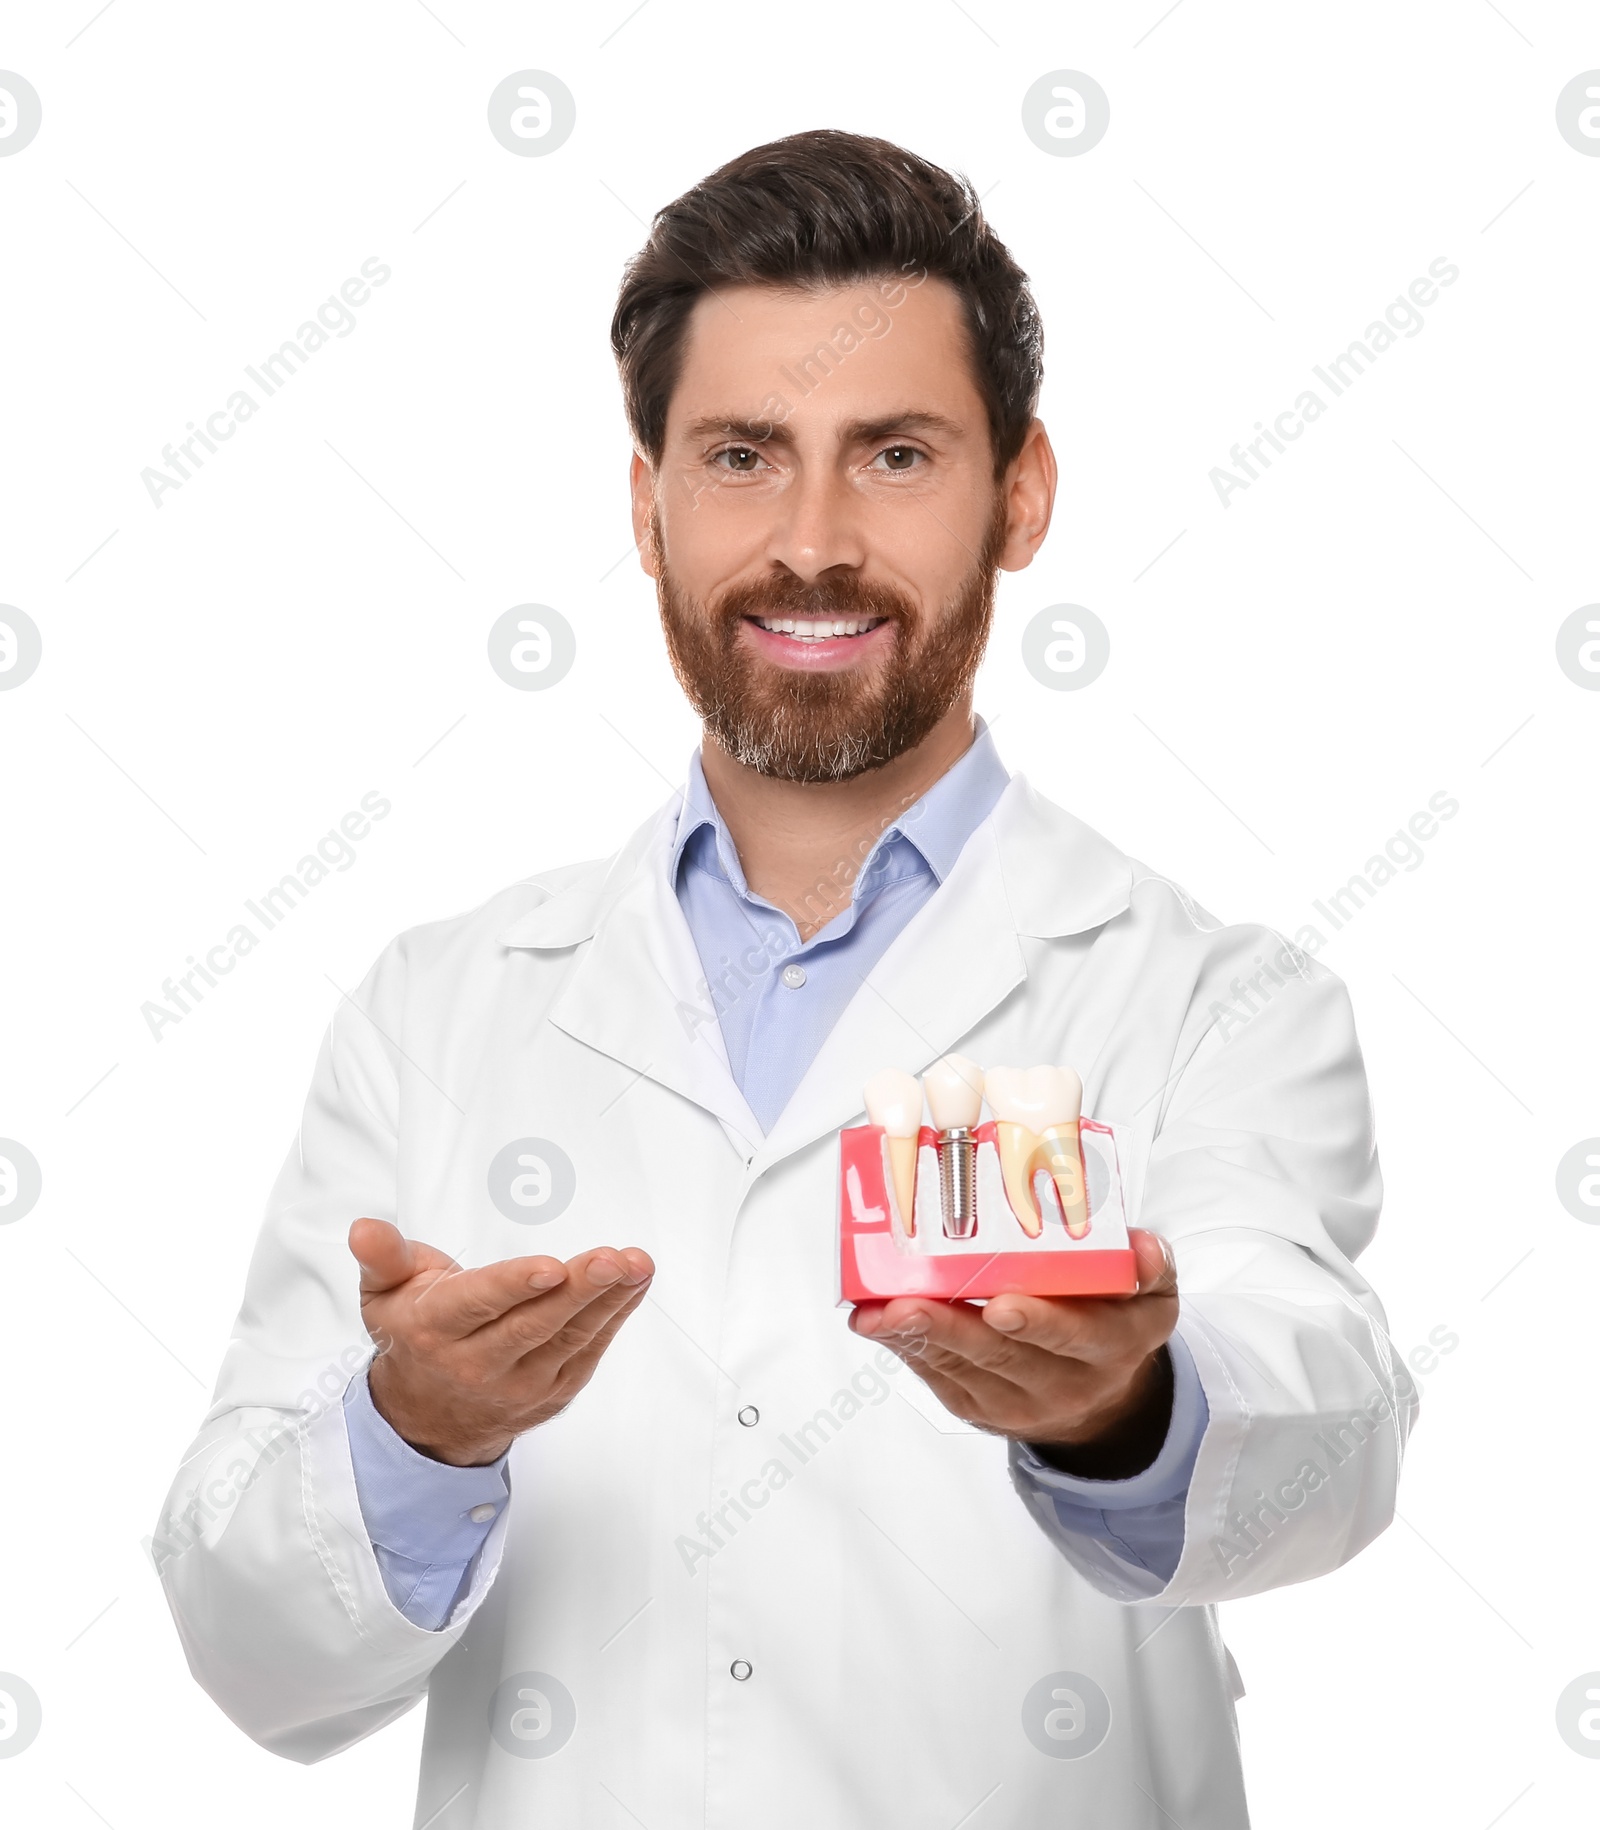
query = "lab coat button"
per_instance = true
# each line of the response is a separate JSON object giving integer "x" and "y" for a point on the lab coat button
{"x": 794, "y": 977}
{"x": 740, "y": 1668}
{"x": 481, "y": 1515}
{"x": 749, "y": 1416}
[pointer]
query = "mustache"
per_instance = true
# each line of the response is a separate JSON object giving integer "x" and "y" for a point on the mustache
{"x": 845, "y": 598}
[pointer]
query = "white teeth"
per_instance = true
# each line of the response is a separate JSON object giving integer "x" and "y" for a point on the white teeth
{"x": 1036, "y": 1112}
{"x": 954, "y": 1087}
{"x": 1034, "y": 1097}
{"x": 816, "y": 629}
{"x": 894, "y": 1101}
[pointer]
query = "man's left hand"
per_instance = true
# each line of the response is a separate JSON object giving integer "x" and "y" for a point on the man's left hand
{"x": 1085, "y": 1381}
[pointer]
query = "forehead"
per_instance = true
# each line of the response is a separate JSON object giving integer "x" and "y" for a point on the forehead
{"x": 865, "y": 347}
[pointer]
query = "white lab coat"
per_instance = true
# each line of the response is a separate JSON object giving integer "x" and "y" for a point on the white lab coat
{"x": 893, "y": 1597}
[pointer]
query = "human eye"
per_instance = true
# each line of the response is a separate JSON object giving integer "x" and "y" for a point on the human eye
{"x": 905, "y": 459}
{"x": 746, "y": 458}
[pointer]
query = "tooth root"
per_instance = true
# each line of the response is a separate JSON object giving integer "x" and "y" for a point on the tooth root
{"x": 1062, "y": 1155}
{"x": 1023, "y": 1153}
{"x": 893, "y": 1099}
{"x": 903, "y": 1174}
{"x": 1018, "y": 1147}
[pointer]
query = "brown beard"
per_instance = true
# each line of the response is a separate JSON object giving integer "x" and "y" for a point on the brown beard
{"x": 830, "y": 725}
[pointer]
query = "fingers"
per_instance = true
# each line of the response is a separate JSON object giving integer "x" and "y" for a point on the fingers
{"x": 1158, "y": 1268}
{"x": 963, "y": 1387}
{"x": 947, "y": 1338}
{"x": 1044, "y": 1366}
{"x": 1094, "y": 1330}
{"x": 1098, "y": 1328}
{"x": 1005, "y": 1335}
{"x": 458, "y": 1302}
{"x": 452, "y": 1303}
{"x": 566, "y": 1319}
{"x": 947, "y": 1333}
{"x": 577, "y": 1367}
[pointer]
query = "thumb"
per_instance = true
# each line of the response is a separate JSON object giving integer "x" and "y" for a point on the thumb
{"x": 1158, "y": 1269}
{"x": 386, "y": 1257}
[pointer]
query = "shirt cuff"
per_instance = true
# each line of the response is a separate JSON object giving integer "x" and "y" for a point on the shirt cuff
{"x": 426, "y": 1519}
{"x": 1168, "y": 1475}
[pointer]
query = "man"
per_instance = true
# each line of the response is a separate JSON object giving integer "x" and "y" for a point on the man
{"x": 662, "y": 1534}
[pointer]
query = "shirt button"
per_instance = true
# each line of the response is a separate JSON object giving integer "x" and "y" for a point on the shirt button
{"x": 740, "y": 1668}
{"x": 749, "y": 1416}
{"x": 481, "y": 1515}
{"x": 794, "y": 977}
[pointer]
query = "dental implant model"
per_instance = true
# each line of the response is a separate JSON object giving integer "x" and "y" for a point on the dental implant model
{"x": 1036, "y": 1128}
{"x": 1029, "y": 1194}
{"x": 954, "y": 1087}
{"x": 894, "y": 1102}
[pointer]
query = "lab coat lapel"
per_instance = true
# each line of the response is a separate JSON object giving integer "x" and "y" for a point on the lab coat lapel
{"x": 637, "y": 990}
{"x": 954, "y": 961}
{"x": 1030, "y": 869}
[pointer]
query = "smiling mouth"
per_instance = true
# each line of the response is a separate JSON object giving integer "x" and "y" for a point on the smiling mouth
{"x": 817, "y": 629}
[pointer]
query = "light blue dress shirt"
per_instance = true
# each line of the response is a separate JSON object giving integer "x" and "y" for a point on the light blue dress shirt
{"x": 776, "y": 998}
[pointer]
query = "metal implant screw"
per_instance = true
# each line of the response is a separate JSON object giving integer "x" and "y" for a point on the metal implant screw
{"x": 958, "y": 1183}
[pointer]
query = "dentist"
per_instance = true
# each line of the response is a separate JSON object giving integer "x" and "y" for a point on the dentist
{"x": 539, "y": 1405}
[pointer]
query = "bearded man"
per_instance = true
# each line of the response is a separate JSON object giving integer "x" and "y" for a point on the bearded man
{"x": 541, "y": 1402}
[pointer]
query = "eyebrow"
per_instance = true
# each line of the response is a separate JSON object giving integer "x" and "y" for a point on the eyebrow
{"x": 855, "y": 431}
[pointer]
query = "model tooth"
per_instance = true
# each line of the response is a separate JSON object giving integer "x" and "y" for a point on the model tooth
{"x": 1035, "y": 1097}
{"x": 894, "y": 1102}
{"x": 954, "y": 1086}
{"x": 1036, "y": 1127}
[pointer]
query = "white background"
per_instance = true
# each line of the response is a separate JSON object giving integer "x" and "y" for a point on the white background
{"x": 1371, "y": 622}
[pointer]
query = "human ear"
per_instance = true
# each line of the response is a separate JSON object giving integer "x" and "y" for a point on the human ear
{"x": 641, "y": 488}
{"x": 1029, "y": 489}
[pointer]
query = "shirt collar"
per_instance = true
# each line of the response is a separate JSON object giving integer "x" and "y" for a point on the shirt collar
{"x": 937, "y": 826}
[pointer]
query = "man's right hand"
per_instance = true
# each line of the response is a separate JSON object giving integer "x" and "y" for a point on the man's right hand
{"x": 469, "y": 1359}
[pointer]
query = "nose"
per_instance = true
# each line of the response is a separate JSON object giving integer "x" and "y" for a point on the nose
{"x": 817, "y": 527}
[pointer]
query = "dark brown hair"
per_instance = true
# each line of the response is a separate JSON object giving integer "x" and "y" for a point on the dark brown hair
{"x": 825, "y": 209}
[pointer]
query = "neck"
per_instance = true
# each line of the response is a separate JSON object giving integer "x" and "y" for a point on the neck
{"x": 801, "y": 845}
